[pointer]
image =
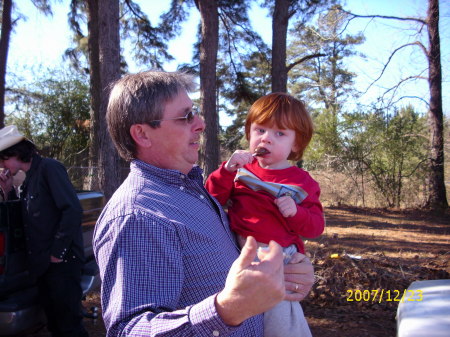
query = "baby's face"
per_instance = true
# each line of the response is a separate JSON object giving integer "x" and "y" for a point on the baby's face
{"x": 278, "y": 142}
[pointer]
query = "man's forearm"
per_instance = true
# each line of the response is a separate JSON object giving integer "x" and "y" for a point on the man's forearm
{"x": 201, "y": 319}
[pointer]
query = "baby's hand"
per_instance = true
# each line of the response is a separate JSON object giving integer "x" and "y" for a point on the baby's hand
{"x": 287, "y": 206}
{"x": 238, "y": 159}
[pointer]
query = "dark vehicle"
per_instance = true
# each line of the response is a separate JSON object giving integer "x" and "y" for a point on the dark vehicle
{"x": 20, "y": 312}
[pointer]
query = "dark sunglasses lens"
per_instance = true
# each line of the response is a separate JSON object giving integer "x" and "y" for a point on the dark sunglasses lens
{"x": 190, "y": 116}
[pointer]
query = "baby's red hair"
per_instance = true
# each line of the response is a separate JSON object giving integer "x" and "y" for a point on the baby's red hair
{"x": 285, "y": 112}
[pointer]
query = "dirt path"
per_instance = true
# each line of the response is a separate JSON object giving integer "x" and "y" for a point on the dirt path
{"x": 376, "y": 249}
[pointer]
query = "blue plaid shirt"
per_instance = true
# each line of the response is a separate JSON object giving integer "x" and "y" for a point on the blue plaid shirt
{"x": 164, "y": 249}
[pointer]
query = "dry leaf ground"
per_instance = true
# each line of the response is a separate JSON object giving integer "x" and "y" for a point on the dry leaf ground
{"x": 373, "y": 250}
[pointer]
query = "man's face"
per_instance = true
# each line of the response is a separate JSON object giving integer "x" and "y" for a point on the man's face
{"x": 175, "y": 144}
{"x": 12, "y": 164}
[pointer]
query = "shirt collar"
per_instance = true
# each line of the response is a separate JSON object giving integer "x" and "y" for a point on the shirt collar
{"x": 175, "y": 177}
{"x": 35, "y": 160}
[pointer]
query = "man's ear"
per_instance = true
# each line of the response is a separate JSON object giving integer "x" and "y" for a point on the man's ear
{"x": 140, "y": 134}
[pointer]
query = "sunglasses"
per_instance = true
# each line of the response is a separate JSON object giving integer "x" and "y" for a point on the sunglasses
{"x": 189, "y": 118}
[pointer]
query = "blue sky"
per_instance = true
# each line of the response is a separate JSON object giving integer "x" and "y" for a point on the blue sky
{"x": 41, "y": 41}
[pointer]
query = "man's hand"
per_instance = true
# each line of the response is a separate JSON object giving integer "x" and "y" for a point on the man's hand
{"x": 287, "y": 206}
{"x": 299, "y": 277}
{"x": 252, "y": 287}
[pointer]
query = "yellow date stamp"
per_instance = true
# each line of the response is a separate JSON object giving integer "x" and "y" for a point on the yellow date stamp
{"x": 380, "y": 295}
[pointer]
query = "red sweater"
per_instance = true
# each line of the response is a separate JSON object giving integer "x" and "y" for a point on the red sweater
{"x": 255, "y": 213}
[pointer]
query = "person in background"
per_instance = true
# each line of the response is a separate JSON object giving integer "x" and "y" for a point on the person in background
{"x": 169, "y": 264}
{"x": 52, "y": 223}
{"x": 270, "y": 199}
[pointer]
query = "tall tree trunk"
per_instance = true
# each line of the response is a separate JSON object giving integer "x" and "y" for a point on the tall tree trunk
{"x": 4, "y": 46}
{"x": 109, "y": 71}
{"x": 208, "y": 60}
{"x": 95, "y": 91}
{"x": 437, "y": 198}
{"x": 109, "y": 56}
{"x": 280, "y": 23}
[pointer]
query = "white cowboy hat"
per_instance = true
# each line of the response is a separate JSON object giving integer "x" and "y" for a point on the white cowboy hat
{"x": 10, "y": 136}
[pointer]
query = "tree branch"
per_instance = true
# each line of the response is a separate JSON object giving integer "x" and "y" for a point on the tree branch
{"x": 303, "y": 59}
{"x": 228, "y": 33}
{"x": 138, "y": 15}
{"x": 395, "y": 87}
{"x": 422, "y": 21}
{"x": 416, "y": 97}
{"x": 390, "y": 58}
{"x": 415, "y": 169}
{"x": 260, "y": 45}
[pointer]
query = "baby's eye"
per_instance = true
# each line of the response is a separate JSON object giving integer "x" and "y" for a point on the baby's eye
{"x": 261, "y": 130}
{"x": 280, "y": 133}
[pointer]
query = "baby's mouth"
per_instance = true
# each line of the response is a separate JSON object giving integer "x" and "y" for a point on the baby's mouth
{"x": 260, "y": 151}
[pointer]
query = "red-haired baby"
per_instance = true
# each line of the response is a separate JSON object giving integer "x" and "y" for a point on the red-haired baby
{"x": 271, "y": 199}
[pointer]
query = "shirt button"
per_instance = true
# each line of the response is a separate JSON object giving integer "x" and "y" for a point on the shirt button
{"x": 182, "y": 176}
{"x": 181, "y": 187}
{"x": 201, "y": 196}
{"x": 216, "y": 333}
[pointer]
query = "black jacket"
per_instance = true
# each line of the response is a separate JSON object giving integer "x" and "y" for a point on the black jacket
{"x": 51, "y": 214}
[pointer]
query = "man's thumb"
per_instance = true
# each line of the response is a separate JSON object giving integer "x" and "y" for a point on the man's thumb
{"x": 248, "y": 252}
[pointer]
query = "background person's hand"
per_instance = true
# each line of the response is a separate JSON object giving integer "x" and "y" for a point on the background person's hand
{"x": 55, "y": 259}
{"x": 299, "y": 277}
{"x": 6, "y": 182}
{"x": 252, "y": 287}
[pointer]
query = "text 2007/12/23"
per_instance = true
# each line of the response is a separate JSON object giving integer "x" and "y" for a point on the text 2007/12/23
{"x": 380, "y": 295}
